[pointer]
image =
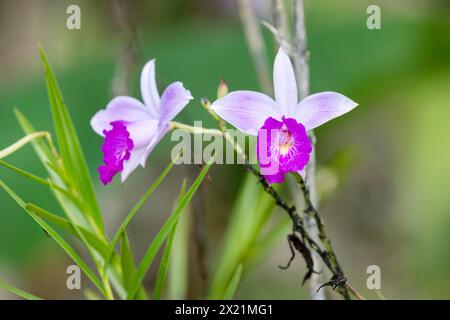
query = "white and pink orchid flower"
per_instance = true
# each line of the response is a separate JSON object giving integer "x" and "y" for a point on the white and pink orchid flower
{"x": 132, "y": 129}
{"x": 281, "y": 124}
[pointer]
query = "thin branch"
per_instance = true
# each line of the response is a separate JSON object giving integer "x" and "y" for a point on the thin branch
{"x": 301, "y": 64}
{"x": 301, "y": 58}
{"x": 281, "y": 24}
{"x": 355, "y": 292}
{"x": 256, "y": 44}
{"x": 311, "y": 211}
{"x": 328, "y": 257}
{"x": 129, "y": 56}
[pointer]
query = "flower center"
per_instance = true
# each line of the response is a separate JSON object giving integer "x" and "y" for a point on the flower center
{"x": 283, "y": 146}
{"x": 116, "y": 149}
{"x": 285, "y": 140}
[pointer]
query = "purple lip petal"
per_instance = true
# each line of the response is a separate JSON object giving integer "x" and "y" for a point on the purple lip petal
{"x": 283, "y": 146}
{"x": 116, "y": 149}
{"x": 274, "y": 178}
{"x": 246, "y": 110}
{"x": 322, "y": 107}
{"x": 173, "y": 100}
{"x": 132, "y": 129}
{"x": 285, "y": 86}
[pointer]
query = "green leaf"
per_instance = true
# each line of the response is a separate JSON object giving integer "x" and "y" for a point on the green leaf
{"x": 128, "y": 267}
{"x": 39, "y": 145}
{"x": 163, "y": 233}
{"x": 99, "y": 245}
{"x": 249, "y": 215}
{"x": 18, "y": 292}
{"x": 136, "y": 209}
{"x": 43, "y": 181}
{"x": 164, "y": 264}
{"x": 71, "y": 152}
{"x": 59, "y": 240}
{"x": 269, "y": 240}
{"x": 177, "y": 280}
{"x": 234, "y": 283}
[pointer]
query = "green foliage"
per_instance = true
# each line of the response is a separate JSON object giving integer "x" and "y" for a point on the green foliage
{"x": 18, "y": 292}
{"x": 249, "y": 216}
{"x": 232, "y": 287}
{"x": 70, "y": 182}
{"x": 164, "y": 232}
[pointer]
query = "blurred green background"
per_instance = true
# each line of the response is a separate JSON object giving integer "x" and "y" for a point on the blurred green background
{"x": 384, "y": 169}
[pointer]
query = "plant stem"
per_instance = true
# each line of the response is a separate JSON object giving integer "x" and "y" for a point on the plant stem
{"x": 298, "y": 225}
{"x": 301, "y": 64}
{"x": 22, "y": 142}
{"x": 256, "y": 44}
{"x": 311, "y": 212}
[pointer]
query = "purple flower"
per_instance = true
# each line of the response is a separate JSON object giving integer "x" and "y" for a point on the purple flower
{"x": 132, "y": 129}
{"x": 281, "y": 124}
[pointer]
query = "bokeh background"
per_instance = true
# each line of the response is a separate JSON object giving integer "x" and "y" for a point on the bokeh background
{"x": 384, "y": 169}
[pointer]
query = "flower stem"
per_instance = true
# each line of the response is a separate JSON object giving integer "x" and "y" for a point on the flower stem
{"x": 328, "y": 256}
{"x": 312, "y": 212}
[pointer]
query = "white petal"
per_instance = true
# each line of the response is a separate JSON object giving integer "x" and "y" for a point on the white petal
{"x": 131, "y": 164}
{"x": 173, "y": 100}
{"x": 149, "y": 90}
{"x": 161, "y": 132}
{"x": 284, "y": 83}
{"x": 322, "y": 107}
{"x": 119, "y": 109}
{"x": 246, "y": 110}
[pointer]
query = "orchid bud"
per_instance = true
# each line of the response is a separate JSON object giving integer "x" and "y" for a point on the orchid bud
{"x": 205, "y": 103}
{"x": 222, "y": 90}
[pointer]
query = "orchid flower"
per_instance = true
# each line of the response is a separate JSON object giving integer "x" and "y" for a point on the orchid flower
{"x": 132, "y": 129}
{"x": 281, "y": 125}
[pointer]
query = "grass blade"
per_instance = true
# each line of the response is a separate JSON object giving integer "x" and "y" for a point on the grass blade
{"x": 163, "y": 233}
{"x": 234, "y": 283}
{"x": 42, "y": 150}
{"x": 250, "y": 213}
{"x": 177, "y": 281}
{"x": 59, "y": 240}
{"x": 23, "y": 294}
{"x": 136, "y": 209}
{"x": 164, "y": 264}
{"x": 100, "y": 246}
{"x": 42, "y": 181}
{"x": 128, "y": 267}
{"x": 71, "y": 152}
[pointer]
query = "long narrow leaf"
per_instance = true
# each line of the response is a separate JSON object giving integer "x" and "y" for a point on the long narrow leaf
{"x": 164, "y": 264}
{"x": 234, "y": 283}
{"x": 59, "y": 240}
{"x": 99, "y": 245}
{"x": 128, "y": 267}
{"x": 23, "y": 294}
{"x": 163, "y": 233}
{"x": 70, "y": 148}
{"x": 136, "y": 209}
{"x": 42, "y": 181}
{"x": 42, "y": 150}
{"x": 177, "y": 280}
